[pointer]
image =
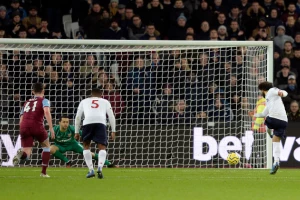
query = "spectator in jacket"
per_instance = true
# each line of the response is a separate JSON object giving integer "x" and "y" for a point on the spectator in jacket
{"x": 294, "y": 114}
{"x": 281, "y": 80}
{"x": 91, "y": 20}
{"x": 4, "y": 21}
{"x": 15, "y": 7}
{"x": 273, "y": 19}
{"x": 281, "y": 37}
{"x": 292, "y": 90}
{"x": 151, "y": 32}
{"x": 114, "y": 32}
{"x": 32, "y": 19}
{"x": 137, "y": 29}
{"x": 156, "y": 15}
{"x": 178, "y": 31}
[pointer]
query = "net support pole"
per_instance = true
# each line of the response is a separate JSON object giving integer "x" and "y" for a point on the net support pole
{"x": 270, "y": 74}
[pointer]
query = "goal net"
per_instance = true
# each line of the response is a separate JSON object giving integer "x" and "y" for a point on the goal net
{"x": 177, "y": 104}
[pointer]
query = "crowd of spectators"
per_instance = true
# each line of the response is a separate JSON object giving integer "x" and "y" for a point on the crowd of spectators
{"x": 173, "y": 86}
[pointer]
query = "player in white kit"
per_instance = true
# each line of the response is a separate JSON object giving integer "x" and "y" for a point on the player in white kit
{"x": 276, "y": 118}
{"x": 95, "y": 109}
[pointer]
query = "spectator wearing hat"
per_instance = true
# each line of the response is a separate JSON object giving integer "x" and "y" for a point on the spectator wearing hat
{"x": 15, "y": 7}
{"x": 281, "y": 37}
{"x": 113, "y": 7}
{"x": 114, "y": 32}
{"x": 137, "y": 29}
{"x": 294, "y": 114}
{"x": 273, "y": 19}
{"x": 281, "y": 80}
{"x": 222, "y": 32}
{"x": 178, "y": 31}
{"x": 291, "y": 11}
{"x": 32, "y": 19}
{"x": 288, "y": 51}
{"x": 120, "y": 15}
{"x": 262, "y": 31}
{"x": 4, "y": 22}
{"x": 292, "y": 90}
{"x": 178, "y": 10}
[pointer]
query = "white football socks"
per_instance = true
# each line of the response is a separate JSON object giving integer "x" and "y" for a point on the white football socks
{"x": 101, "y": 158}
{"x": 276, "y": 151}
{"x": 88, "y": 159}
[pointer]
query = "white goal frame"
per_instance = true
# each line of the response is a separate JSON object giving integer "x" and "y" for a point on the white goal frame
{"x": 24, "y": 44}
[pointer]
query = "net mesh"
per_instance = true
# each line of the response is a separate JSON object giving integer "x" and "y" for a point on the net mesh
{"x": 158, "y": 93}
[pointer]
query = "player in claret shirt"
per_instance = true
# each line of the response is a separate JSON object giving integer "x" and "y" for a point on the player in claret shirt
{"x": 32, "y": 127}
{"x": 65, "y": 140}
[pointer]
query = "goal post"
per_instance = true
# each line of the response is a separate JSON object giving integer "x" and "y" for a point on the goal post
{"x": 177, "y": 103}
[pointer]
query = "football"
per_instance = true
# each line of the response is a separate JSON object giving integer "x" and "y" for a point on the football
{"x": 233, "y": 158}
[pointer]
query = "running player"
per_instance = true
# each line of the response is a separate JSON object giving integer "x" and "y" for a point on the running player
{"x": 32, "y": 127}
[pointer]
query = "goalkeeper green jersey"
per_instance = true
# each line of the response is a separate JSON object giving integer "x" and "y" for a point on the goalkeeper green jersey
{"x": 64, "y": 138}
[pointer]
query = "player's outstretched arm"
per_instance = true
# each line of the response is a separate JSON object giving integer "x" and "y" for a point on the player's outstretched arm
{"x": 112, "y": 120}
{"x": 263, "y": 114}
{"x": 48, "y": 117}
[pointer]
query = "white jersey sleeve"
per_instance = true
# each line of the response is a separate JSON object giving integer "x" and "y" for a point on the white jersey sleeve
{"x": 111, "y": 117}
{"x": 274, "y": 105}
{"x": 94, "y": 110}
{"x": 78, "y": 117}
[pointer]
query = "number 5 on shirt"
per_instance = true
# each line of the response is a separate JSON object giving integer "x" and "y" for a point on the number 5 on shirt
{"x": 95, "y": 104}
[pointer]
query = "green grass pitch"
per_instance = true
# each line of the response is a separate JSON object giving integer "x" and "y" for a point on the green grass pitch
{"x": 144, "y": 184}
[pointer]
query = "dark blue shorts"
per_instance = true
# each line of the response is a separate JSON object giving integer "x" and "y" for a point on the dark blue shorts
{"x": 95, "y": 132}
{"x": 277, "y": 125}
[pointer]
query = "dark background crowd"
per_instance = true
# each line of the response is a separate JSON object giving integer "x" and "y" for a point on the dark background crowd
{"x": 156, "y": 87}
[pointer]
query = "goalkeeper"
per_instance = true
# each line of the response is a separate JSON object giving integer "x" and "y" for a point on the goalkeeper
{"x": 258, "y": 123}
{"x": 65, "y": 141}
